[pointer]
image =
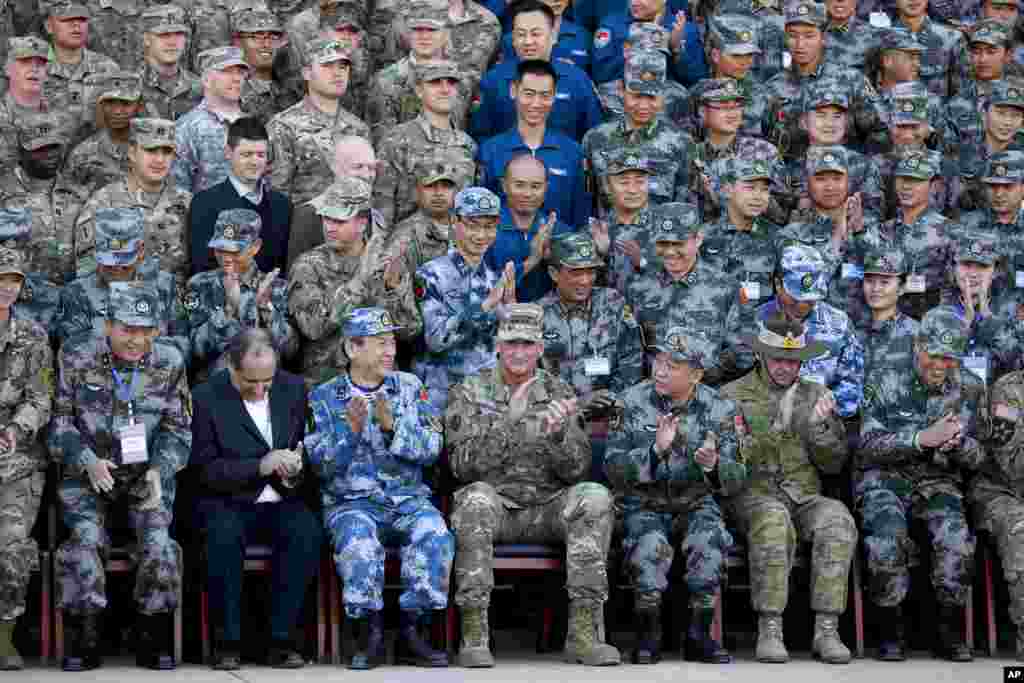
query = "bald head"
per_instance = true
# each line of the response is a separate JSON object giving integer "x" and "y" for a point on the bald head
{"x": 525, "y": 184}
{"x": 354, "y": 158}
{"x": 526, "y": 165}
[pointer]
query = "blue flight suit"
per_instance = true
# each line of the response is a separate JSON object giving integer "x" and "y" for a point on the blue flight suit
{"x": 688, "y": 67}
{"x": 574, "y": 44}
{"x": 513, "y": 245}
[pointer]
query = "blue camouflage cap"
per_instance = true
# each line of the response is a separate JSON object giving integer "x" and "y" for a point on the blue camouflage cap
{"x": 977, "y": 246}
{"x": 676, "y": 222}
{"x": 368, "y": 322}
{"x": 943, "y": 332}
{"x": 685, "y": 345}
{"x": 721, "y": 90}
{"x": 15, "y": 226}
{"x": 735, "y": 33}
{"x": 825, "y": 92}
{"x": 989, "y": 32}
{"x": 645, "y": 72}
{"x": 804, "y": 275}
{"x": 918, "y": 165}
{"x": 822, "y": 158}
{"x": 476, "y": 201}
{"x": 1005, "y": 168}
{"x": 804, "y": 12}
{"x": 899, "y": 38}
{"x": 1006, "y": 95}
{"x": 119, "y": 232}
{"x": 133, "y": 303}
{"x": 236, "y": 229}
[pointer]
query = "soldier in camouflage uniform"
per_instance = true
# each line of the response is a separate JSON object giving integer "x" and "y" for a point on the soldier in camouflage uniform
{"x": 641, "y": 129}
{"x": 371, "y": 435}
{"x": 475, "y": 35}
{"x": 102, "y": 159}
{"x": 121, "y": 431}
{"x": 120, "y": 257}
{"x": 168, "y": 88}
{"x": 625, "y": 235}
{"x": 26, "y": 396}
{"x": 922, "y": 422}
{"x": 457, "y": 295}
{"x": 769, "y": 26}
{"x": 516, "y": 445}
{"x": 886, "y": 332}
{"x": 675, "y": 449}
{"x": 39, "y": 300}
{"x": 224, "y": 301}
{"x": 683, "y": 291}
{"x": 202, "y": 134}
{"x": 148, "y": 187}
{"x": 71, "y": 63}
{"x": 25, "y": 69}
{"x": 848, "y": 38}
{"x": 259, "y": 34}
{"x": 302, "y": 136}
{"x": 33, "y": 184}
{"x": 433, "y": 131}
{"x": 116, "y": 28}
{"x": 1004, "y": 181}
{"x": 940, "y": 43}
{"x": 341, "y": 274}
{"x": 987, "y": 46}
{"x": 789, "y": 436}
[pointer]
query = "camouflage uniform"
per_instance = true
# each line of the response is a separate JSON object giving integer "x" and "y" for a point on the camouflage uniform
{"x": 392, "y": 100}
{"x": 886, "y": 342}
{"x": 937, "y": 67}
{"x": 302, "y": 136}
{"x": 212, "y": 23}
{"x": 12, "y": 113}
{"x": 1004, "y": 167}
{"x": 210, "y": 325}
{"x": 92, "y": 406}
{"x": 848, "y": 44}
{"x": 165, "y": 211}
{"x": 168, "y": 99}
{"x": 769, "y": 30}
{"x": 927, "y": 106}
{"x": 669, "y": 497}
{"x": 475, "y": 37}
{"x": 262, "y": 99}
{"x": 896, "y": 479}
{"x": 372, "y": 485}
{"x": 734, "y": 34}
{"x": 116, "y": 28}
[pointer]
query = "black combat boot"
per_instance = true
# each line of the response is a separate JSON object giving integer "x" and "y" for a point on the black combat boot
{"x": 152, "y": 651}
{"x": 411, "y": 648}
{"x": 648, "y": 636}
{"x": 85, "y": 653}
{"x": 890, "y": 631}
{"x": 950, "y": 628}
{"x": 700, "y": 646}
{"x": 370, "y": 652}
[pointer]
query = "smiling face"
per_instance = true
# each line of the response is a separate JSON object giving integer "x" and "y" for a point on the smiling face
{"x": 673, "y": 378}
{"x": 574, "y": 285}
{"x": 150, "y": 165}
{"x": 534, "y": 98}
{"x": 10, "y": 288}
{"x": 828, "y": 189}
{"x": 826, "y": 125}
{"x": 882, "y": 291}
{"x": 474, "y": 236}
{"x": 259, "y": 48}
{"x": 164, "y": 48}
{"x": 519, "y": 358}
{"x": 129, "y": 343}
{"x": 749, "y": 198}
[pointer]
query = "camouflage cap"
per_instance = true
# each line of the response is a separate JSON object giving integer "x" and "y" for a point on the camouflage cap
{"x": 739, "y": 169}
{"x": 989, "y": 32}
{"x": 236, "y": 229}
{"x": 805, "y": 12}
{"x": 368, "y": 322}
{"x": 165, "y": 19}
{"x": 134, "y": 303}
{"x": 66, "y": 9}
{"x": 804, "y": 274}
{"x": 152, "y": 133}
{"x": 822, "y": 158}
{"x": 909, "y": 103}
{"x": 343, "y": 199}
{"x": 15, "y": 226}
{"x": 12, "y": 262}
{"x": 943, "y": 332}
{"x": 825, "y": 92}
{"x": 327, "y": 50}
{"x": 885, "y": 260}
{"x": 27, "y": 47}
{"x": 645, "y": 72}
{"x": 1007, "y": 94}
{"x": 40, "y": 130}
{"x": 521, "y": 322}
{"x": 780, "y": 338}
{"x": 443, "y": 165}
{"x": 648, "y": 35}
{"x": 685, "y": 345}
{"x": 435, "y": 70}
{"x": 918, "y": 165}
{"x": 676, "y": 222}
{"x": 476, "y": 201}
{"x": 622, "y": 160}
{"x": 977, "y": 246}
{"x": 721, "y": 90}
{"x": 899, "y": 38}
{"x": 1005, "y": 168}
{"x": 119, "y": 232}
{"x": 736, "y": 33}
{"x": 575, "y": 250}
{"x": 343, "y": 14}
{"x": 220, "y": 58}
{"x": 255, "y": 21}
{"x": 427, "y": 15}
{"x": 115, "y": 85}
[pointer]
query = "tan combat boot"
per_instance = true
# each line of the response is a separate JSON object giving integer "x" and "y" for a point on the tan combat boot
{"x": 585, "y": 640}
{"x": 826, "y": 645}
{"x": 475, "y": 650}
{"x": 770, "y": 646}
{"x": 10, "y": 660}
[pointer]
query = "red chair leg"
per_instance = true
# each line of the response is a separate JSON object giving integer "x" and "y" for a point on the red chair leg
{"x": 450, "y": 625}
{"x": 990, "y": 599}
{"x": 858, "y": 607}
{"x": 716, "y": 624}
{"x": 969, "y": 620}
{"x": 204, "y": 623}
{"x": 547, "y": 627}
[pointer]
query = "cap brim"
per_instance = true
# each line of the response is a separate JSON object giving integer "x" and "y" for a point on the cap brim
{"x": 580, "y": 265}
{"x": 169, "y": 28}
{"x": 117, "y": 258}
{"x": 334, "y": 57}
{"x": 906, "y": 118}
{"x": 1001, "y": 180}
{"x": 811, "y": 351}
{"x": 645, "y": 87}
{"x": 430, "y": 180}
{"x": 343, "y": 213}
{"x": 121, "y": 95}
{"x": 135, "y": 320}
{"x": 941, "y": 351}
{"x": 742, "y": 49}
{"x": 39, "y": 143}
{"x": 11, "y": 271}
{"x": 151, "y": 143}
{"x": 220, "y": 66}
{"x": 679, "y": 358}
{"x": 516, "y": 335}
{"x": 387, "y": 330}
{"x": 228, "y": 245}
{"x": 742, "y": 178}
{"x": 424, "y": 23}
{"x": 974, "y": 258}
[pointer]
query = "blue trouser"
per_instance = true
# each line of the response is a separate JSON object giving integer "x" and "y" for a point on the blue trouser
{"x": 294, "y": 533}
{"x": 359, "y": 532}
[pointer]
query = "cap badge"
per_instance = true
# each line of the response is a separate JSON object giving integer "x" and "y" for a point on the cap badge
{"x": 791, "y": 342}
{"x": 142, "y": 307}
{"x": 745, "y": 36}
{"x": 946, "y": 338}
{"x": 807, "y": 281}
{"x": 802, "y": 10}
{"x": 229, "y": 232}
{"x": 1000, "y": 170}
{"x": 908, "y": 106}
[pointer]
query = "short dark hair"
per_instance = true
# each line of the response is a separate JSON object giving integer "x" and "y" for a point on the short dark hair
{"x": 250, "y": 340}
{"x": 536, "y": 67}
{"x": 246, "y": 128}
{"x": 525, "y": 6}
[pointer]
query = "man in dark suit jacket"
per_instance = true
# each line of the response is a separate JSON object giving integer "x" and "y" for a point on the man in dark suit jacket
{"x": 247, "y": 427}
{"x": 246, "y": 187}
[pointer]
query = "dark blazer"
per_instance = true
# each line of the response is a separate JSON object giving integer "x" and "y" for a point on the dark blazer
{"x": 275, "y": 211}
{"x": 227, "y": 445}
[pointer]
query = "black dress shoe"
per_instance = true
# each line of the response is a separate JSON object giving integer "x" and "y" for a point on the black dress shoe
{"x": 84, "y": 661}
{"x": 285, "y": 658}
{"x": 891, "y": 651}
{"x": 226, "y": 661}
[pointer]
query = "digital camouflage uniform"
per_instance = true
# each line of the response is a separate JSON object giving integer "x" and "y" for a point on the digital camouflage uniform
{"x": 928, "y": 106}
{"x": 475, "y": 37}
{"x": 937, "y": 61}
{"x": 769, "y": 30}
{"x": 116, "y": 28}
{"x": 12, "y": 113}
{"x": 90, "y": 410}
{"x": 392, "y": 99}
{"x": 895, "y": 480}
{"x": 302, "y": 137}
{"x": 262, "y": 99}
{"x": 166, "y": 211}
{"x": 211, "y": 325}
{"x": 644, "y": 38}
{"x": 733, "y": 34}
{"x": 886, "y": 342}
{"x": 168, "y": 98}
{"x": 372, "y": 485}
{"x": 39, "y": 299}
{"x": 848, "y": 44}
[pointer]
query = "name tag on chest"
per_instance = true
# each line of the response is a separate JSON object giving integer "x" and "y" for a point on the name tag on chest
{"x": 133, "y": 444}
{"x": 597, "y": 366}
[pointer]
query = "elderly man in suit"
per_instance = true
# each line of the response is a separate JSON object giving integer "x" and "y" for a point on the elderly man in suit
{"x": 248, "y": 427}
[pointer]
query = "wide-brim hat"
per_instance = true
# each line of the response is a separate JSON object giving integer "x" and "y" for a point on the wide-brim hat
{"x": 772, "y": 345}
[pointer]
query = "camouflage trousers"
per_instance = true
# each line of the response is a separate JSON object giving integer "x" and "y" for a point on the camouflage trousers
{"x": 773, "y": 527}
{"x": 19, "y": 552}
{"x": 580, "y": 517}
{"x": 81, "y": 560}
{"x": 885, "y": 505}
{"x": 1003, "y": 516}
{"x": 360, "y": 531}
{"x": 648, "y": 552}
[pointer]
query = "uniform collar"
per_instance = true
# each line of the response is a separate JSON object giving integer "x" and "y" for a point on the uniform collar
{"x": 343, "y": 387}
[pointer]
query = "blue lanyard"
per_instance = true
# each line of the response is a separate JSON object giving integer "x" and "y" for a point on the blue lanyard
{"x": 126, "y": 392}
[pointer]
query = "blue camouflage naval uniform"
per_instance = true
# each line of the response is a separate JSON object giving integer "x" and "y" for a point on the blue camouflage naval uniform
{"x": 374, "y": 495}
{"x": 201, "y": 136}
